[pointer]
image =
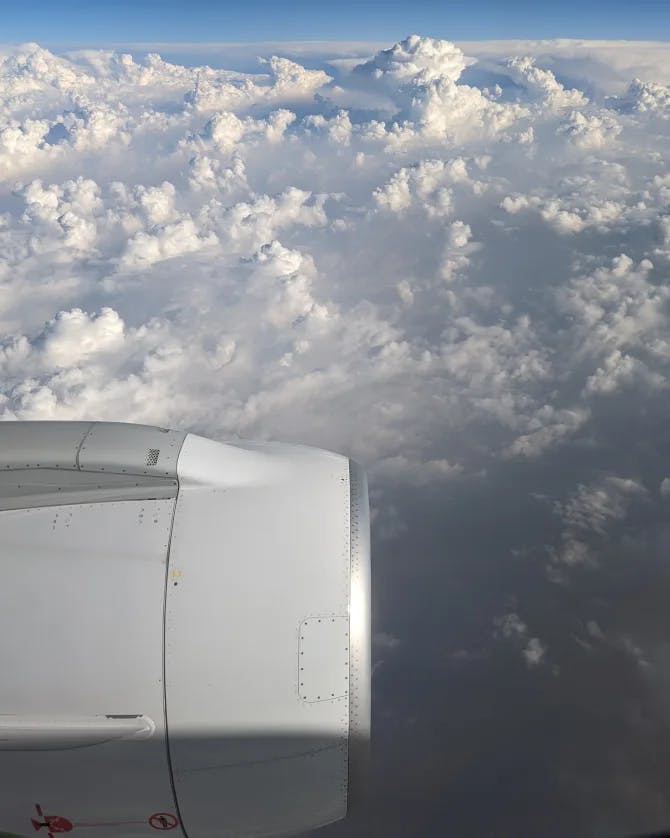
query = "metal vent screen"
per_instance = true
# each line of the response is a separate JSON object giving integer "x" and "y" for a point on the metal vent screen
{"x": 152, "y": 456}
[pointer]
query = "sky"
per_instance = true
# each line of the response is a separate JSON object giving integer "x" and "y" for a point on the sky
{"x": 447, "y": 261}
{"x": 258, "y": 20}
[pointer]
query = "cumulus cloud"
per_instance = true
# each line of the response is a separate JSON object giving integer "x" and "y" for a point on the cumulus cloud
{"x": 589, "y": 517}
{"x": 593, "y": 507}
{"x": 511, "y": 627}
{"x": 452, "y": 268}
{"x": 542, "y": 84}
{"x": 331, "y": 229}
{"x": 286, "y": 80}
{"x": 591, "y": 132}
{"x": 426, "y": 59}
{"x": 425, "y": 185}
{"x": 648, "y": 97}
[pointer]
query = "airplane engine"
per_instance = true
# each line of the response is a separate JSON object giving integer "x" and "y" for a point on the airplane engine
{"x": 184, "y": 633}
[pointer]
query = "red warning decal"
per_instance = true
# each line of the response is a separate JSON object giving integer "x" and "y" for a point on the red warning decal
{"x": 52, "y": 823}
{"x": 163, "y": 820}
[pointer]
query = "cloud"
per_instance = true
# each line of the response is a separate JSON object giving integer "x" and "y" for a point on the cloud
{"x": 416, "y": 472}
{"x": 74, "y": 336}
{"x": 590, "y": 517}
{"x": 286, "y": 81}
{"x": 510, "y": 627}
{"x": 618, "y": 306}
{"x": 648, "y": 97}
{"x": 592, "y": 508}
{"x": 295, "y": 210}
{"x": 36, "y": 69}
{"x": 591, "y": 132}
{"x": 415, "y": 58}
{"x": 534, "y": 652}
{"x": 385, "y": 641}
{"x": 421, "y": 77}
{"x": 542, "y": 85}
{"x": 425, "y": 185}
{"x": 447, "y": 261}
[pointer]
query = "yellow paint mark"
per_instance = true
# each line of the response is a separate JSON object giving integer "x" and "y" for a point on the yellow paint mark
{"x": 176, "y": 574}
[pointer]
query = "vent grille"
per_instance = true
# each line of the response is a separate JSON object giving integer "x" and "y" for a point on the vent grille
{"x": 152, "y": 456}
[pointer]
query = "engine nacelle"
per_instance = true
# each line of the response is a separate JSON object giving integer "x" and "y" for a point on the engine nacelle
{"x": 184, "y": 633}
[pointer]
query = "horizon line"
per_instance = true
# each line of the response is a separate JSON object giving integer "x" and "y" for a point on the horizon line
{"x": 352, "y": 41}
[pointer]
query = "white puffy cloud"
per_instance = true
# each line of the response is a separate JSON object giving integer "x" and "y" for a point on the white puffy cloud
{"x": 415, "y": 58}
{"x": 534, "y": 652}
{"x": 319, "y": 255}
{"x": 646, "y": 97}
{"x": 619, "y": 370}
{"x": 455, "y": 113}
{"x": 286, "y": 81}
{"x": 572, "y": 553}
{"x": 545, "y": 429}
{"x": 572, "y": 213}
{"x": 33, "y": 68}
{"x": 225, "y": 131}
{"x": 618, "y": 307}
{"x": 421, "y": 77}
{"x": 283, "y": 281}
{"x": 211, "y": 173}
{"x": 543, "y": 85}
{"x": 511, "y": 627}
{"x": 589, "y": 517}
{"x": 35, "y": 144}
{"x": 592, "y": 508}
{"x": 424, "y": 185}
{"x": 74, "y": 336}
{"x": 165, "y": 241}
{"x": 457, "y": 250}
{"x": 590, "y": 131}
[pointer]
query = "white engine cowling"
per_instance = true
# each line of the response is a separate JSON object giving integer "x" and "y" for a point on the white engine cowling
{"x": 184, "y": 633}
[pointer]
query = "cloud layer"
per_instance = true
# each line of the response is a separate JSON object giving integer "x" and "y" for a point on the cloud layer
{"x": 455, "y": 269}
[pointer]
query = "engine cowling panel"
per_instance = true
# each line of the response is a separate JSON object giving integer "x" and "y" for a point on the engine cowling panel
{"x": 190, "y": 655}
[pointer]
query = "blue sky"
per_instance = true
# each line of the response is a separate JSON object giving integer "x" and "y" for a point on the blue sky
{"x": 254, "y": 20}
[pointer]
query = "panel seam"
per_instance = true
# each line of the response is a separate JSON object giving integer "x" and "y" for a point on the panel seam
{"x": 165, "y": 596}
{"x": 81, "y": 442}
